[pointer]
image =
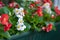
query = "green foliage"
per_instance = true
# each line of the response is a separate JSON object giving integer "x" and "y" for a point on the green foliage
{"x": 4, "y": 34}
{"x": 32, "y": 22}
{"x": 57, "y": 19}
{"x": 28, "y": 26}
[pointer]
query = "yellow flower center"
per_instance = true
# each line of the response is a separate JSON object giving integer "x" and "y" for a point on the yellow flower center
{"x": 21, "y": 21}
{"x": 45, "y": 4}
{"x": 16, "y": 10}
{"x": 18, "y": 26}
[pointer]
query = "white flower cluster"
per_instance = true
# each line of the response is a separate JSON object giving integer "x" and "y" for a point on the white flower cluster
{"x": 47, "y": 8}
{"x": 20, "y": 14}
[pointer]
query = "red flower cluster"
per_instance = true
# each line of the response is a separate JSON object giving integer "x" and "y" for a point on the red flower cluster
{"x": 32, "y": 5}
{"x": 4, "y": 21}
{"x": 13, "y": 5}
{"x": 57, "y": 10}
{"x": 49, "y": 1}
{"x": 39, "y": 11}
{"x": 1, "y": 4}
{"x": 48, "y": 28}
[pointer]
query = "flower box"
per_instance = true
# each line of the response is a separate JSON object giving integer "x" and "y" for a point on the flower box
{"x": 53, "y": 35}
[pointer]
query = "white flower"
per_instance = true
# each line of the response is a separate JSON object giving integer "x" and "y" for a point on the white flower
{"x": 21, "y": 8}
{"x": 47, "y": 7}
{"x": 19, "y": 16}
{"x": 19, "y": 12}
{"x": 20, "y": 20}
{"x": 16, "y": 11}
{"x": 21, "y": 27}
{"x": 20, "y": 23}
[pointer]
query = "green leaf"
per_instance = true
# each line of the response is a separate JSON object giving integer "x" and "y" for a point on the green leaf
{"x": 57, "y": 19}
{"x": 28, "y": 26}
{"x": 36, "y": 28}
{"x": 5, "y": 9}
{"x": 1, "y": 10}
{"x": 13, "y": 20}
{"x": 54, "y": 27}
{"x": 37, "y": 19}
{"x": 4, "y": 34}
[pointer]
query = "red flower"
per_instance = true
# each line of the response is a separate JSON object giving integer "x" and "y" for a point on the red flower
{"x": 7, "y": 27}
{"x": 57, "y": 10}
{"x": 4, "y": 19}
{"x": 39, "y": 11}
{"x": 1, "y": 4}
{"x": 32, "y": 5}
{"x": 49, "y": 1}
{"x": 17, "y": 6}
{"x": 49, "y": 28}
{"x": 13, "y": 5}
